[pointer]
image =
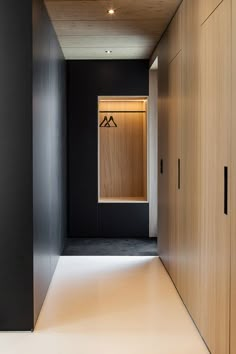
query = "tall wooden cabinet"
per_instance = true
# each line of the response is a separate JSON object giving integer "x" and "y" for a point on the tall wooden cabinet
{"x": 233, "y": 188}
{"x": 170, "y": 81}
{"x": 163, "y": 138}
{"x": 190, "y": 197}
{"x": 196, "y": 189}
{"x": 174, "y": 160}
{"x": 215, "y": 102}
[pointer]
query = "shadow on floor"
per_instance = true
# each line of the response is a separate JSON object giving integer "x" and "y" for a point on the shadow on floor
{"x": 111, "y": 247}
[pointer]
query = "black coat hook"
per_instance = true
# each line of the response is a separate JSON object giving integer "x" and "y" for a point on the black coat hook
{"x": 111, "y": 120}
{"x": 104, "y": 122}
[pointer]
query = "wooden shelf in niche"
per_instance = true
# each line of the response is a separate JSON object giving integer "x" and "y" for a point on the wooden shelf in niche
{"x": 122, "y": 111}
{"x": 123, "y": 151}
{"x": 123, "y": 200}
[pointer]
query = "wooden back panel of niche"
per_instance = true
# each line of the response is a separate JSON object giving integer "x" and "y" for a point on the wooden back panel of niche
{"x": 123, "y": 151}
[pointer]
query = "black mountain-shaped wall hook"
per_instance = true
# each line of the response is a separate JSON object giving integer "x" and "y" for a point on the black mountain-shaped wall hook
{"x": 108, "y": 123}
{"x": 111, "y": 120}
{"x": 104, "y": 122}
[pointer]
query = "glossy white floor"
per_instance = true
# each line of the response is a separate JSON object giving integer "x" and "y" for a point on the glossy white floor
{"x": 109, "y": 305}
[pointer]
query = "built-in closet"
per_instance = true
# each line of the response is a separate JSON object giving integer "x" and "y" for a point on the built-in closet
{"x": 233, "y": 189}
{"x": 197, "y": 164}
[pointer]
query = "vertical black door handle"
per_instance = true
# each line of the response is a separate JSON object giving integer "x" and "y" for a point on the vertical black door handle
{"x": 226, "y": 190}
{"x": 178, "y": 173}
{"x": 161, "y": 166}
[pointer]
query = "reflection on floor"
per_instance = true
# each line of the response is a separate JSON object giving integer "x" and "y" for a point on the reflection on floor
{"x": 111, "y": 247}
{"x": 109, "y": 305}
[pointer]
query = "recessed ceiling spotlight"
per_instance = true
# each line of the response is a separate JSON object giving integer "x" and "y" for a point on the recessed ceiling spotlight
{"x": 108, "y": 51}
{"x": 111, "y": 11}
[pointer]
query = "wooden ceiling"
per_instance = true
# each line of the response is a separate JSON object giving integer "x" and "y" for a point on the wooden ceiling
{"x": 85, "y": 29}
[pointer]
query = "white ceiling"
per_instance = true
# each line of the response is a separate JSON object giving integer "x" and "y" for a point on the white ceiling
{"x": 86, "y": 31}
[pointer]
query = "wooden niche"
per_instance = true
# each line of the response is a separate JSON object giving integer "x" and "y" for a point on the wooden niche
{"x": 122, "y": 149}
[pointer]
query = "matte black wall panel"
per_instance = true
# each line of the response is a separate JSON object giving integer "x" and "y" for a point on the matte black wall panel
{"x": 86, "y": 81}
{"x": 16, "y": 227}
{"x": 32, "y": 170}
{"x": 120, "y": 220}
{"x": 49, "y": 152}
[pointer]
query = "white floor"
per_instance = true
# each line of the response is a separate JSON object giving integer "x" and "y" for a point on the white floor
{"x": 109, "y": 305}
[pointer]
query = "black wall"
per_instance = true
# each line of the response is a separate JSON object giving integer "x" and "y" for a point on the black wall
{"x": 49, "y": 152}
{"x": 32, "y": 160}
{"x": 16, "y": 219}
{"x": 86, "y": 81}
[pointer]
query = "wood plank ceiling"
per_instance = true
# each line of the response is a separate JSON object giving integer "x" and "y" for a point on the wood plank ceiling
{"x": 86, "y": 30}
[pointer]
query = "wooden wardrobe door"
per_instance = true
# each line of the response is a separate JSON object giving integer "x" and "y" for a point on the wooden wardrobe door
{"x": 163, "y": 240}
{"x": 169, "y": 93}
{"x": 189, "y": 234}
{"x": 233, "y": 188}
{"x": 215, "y": 119}
{"x": 174, "y": 161}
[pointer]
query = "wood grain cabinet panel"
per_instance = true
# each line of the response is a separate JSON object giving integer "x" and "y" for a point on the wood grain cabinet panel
{"x": 163, "y": 139}
{"x": 215, "y": 121}
{"x": 195, "y": 127}
{"x": 233, "y": 188}
{"x": 174, "y": 35}
{"x": 174, "y": 162}
{"x": 169, "y": 143}
{"x": 189, "y": 205}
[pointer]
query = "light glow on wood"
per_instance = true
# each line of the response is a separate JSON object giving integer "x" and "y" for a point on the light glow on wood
{"x": 123, "y": 151}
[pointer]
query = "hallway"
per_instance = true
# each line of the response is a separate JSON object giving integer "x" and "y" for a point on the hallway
{"x": 109, "y": 305}
{"x": 117, "y": 134}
